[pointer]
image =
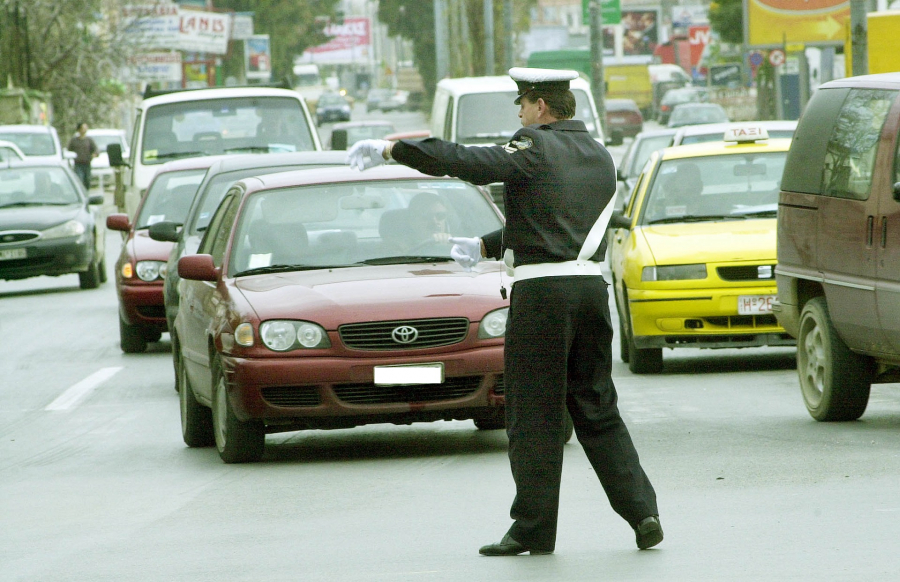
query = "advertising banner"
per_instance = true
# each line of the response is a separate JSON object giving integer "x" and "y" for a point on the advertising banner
{"x": 351, "y": 43}
{"x": 773, "y": 23}
{"x": 640, "y": 32}
{"x": 258, "y": 57}
{"x": 166, "y": 26}
{"x": 153, "y": 67}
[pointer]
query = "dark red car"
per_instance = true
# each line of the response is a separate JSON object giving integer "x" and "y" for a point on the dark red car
{"x": 327, "y": 298}
{"x": 141, "y": 267}
{"x": 623, "y": 119}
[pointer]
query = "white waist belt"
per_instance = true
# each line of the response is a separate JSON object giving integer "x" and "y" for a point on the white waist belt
{"x": 566, "y": 269}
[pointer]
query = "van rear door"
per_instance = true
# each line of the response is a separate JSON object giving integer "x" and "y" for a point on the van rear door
{"x": 887, "y": 234}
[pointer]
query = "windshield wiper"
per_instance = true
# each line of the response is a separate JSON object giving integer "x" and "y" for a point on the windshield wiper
{"x": 406, "y": 259}
{"x": 771, "y": 212}
{"x": 12, "y": 204}
{"x": 286, "y": 268}
{"x": 697, "y": 218}
{"x": 252, "y": 149}
{"x": 178, "y": 155}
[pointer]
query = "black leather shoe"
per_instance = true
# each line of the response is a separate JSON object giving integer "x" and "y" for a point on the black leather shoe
{"x": 509, "y": 547}
{"x": 648, "y": 533}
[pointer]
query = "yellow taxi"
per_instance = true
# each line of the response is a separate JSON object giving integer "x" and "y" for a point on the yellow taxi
{"x": 692, "y": 255}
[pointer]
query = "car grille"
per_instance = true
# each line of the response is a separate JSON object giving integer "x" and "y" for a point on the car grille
{"x": 152, "y": 311}
{"x": 743, "y": 321}
{"x": 451, "y": 389}
{"x": 292, "y": 395}
{"x": 17, "y": 236}
{"x": 500, "y": 386}
{"x": 747, "y": 273}
{"x": 33, "y": 263}
{"x": 429, "y": 333}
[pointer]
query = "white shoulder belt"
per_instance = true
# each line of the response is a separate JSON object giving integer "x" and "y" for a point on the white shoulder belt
{"x": 580, "y": 266}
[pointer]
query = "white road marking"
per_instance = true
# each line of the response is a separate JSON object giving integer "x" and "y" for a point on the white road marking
{"x": 76, "y": 392}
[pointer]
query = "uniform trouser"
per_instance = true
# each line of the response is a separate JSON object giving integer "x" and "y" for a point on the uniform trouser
{"x": 558, "y": 355}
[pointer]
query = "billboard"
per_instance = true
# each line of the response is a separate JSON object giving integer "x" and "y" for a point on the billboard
{"x": 774, "y": 23}
{"x": 167, "y": 26}
{"x": 351, "y": 43}
{"x": 640, "y": 32}
{"x": 153, "y": 67}
{"x": 258, "y": 57}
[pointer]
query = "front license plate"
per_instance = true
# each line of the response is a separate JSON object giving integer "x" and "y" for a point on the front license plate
{"x": 405, "y": 374}
{"x": 755, "y": 304}
{"x": 12, "y": 254}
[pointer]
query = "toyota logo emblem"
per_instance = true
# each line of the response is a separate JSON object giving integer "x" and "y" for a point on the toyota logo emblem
{"x": 405, "y": 334}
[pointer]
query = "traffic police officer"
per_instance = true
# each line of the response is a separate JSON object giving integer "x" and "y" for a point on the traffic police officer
{"x": 558, "y": 350}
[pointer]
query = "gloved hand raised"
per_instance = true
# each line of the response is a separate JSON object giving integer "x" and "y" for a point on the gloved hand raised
{"x": 466, "y": 251}
{"x": 367, "y": 153}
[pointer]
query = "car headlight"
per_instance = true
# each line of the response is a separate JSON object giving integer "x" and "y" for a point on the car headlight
{"x": 493, "y": 324}
{"x": 243, "y": 335}
{"x": 284, "y": 335}
{"x": 345, "y": 109}
{"x": 151, "y": 270}
{"x": 66, "y": 229}
{"x": 674, "y": 272}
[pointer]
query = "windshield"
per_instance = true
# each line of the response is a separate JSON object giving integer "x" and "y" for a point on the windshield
{"x": 493, "y": 117}
{"x": 36, "y": 187}
{"x": 646, "y": 147}
{"x": 169, "y": 197}
{"x": 715, "y": 187}
{"x": 224, "y": 126}
{"x": 353, "y": 223}
{"x": 31, "y": 143}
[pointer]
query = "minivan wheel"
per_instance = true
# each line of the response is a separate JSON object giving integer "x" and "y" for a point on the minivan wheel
{"x": 90, "y": 279}
{"x": 237, "y": 442}
{"x": 196, "y": 419}
{"x": 835, "y": 382}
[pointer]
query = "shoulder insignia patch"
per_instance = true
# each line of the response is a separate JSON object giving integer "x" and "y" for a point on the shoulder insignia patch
{"x": 523, "y": 143}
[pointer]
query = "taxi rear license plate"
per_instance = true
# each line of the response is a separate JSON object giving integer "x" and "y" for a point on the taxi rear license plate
{"x": 406, "y": 374}
{"x": 755, "y": 304}
{"x": 12, "y": 254}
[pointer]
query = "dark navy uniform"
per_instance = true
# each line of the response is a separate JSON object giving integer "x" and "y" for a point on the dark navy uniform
{"x": 558, "y": 350}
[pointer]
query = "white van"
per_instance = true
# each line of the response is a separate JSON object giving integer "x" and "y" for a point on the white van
{"x": 206, "y": 122}
{"x": 482, "y": 111}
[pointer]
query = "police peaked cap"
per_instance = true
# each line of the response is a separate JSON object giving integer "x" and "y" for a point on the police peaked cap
{"x": 529, "y": 79}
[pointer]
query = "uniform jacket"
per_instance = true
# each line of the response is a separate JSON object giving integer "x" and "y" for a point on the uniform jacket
{"x": 558, "y": 181}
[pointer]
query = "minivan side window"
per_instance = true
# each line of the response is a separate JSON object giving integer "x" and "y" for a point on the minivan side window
{"x": 850, "y": 153}
{"x": 448, "y": 120}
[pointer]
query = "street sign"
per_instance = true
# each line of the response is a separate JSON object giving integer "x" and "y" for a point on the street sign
{"x": 610, "y": 12}
{"x": 776, "y": 57}
{"x": 756, "y": 58}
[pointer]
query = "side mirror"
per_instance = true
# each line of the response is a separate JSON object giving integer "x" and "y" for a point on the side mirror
{"x": 69, "y": 155}
{"x": 118, "y": 222}
{"x": 619, "y": 220}
{"x": 339, "y": 139}
{"x": 165, "y": 231}
{"x": 197, "y": 268}
{"x": 114, "y": 153}
{"x": 96, "y": 199}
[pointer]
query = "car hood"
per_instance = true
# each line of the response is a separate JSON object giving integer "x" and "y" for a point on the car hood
{"x": 376, "y": 293}
{"x": 711, "y": 242}
{"x": 144, "y": 248}
{"x": 37, "y": 217}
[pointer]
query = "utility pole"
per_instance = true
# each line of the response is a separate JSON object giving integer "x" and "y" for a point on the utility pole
{"x": 441, "y": 42}
{"x": 859, "y": 35}
{"x": 598, "y": 86}
{"x": 489, "y": 37}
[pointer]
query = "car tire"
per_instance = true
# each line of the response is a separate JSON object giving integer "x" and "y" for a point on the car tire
{"x": 90, "y": 279}
{"x": 495, "y": 421}
{"x": 835, "y": 382}
{"x": 132, "y": 338}
{"x": 643, "y": 360}
{"x": 196, "y": 419}
{"x": 237, "y": 442}
{"x": 623, "y": 343}
{"x": 101, "y": 268}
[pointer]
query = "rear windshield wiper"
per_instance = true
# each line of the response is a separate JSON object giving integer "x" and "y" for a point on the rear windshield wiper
{"x": 697, "y": 218}
{"x": 405, "y": 259}
{"x": 286, "y": 268}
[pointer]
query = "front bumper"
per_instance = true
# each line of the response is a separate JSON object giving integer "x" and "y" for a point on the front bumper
{"x": 142, "y": 305}
{"x": 312, "y": 392}
{"x": 702, "y": 318}
{"x": 50, "y": 257}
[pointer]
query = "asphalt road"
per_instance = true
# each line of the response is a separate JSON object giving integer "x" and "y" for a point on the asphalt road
{"x": 96, "y": 483}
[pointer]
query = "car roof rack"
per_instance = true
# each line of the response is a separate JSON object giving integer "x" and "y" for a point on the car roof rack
{"x": 151, "y": 92}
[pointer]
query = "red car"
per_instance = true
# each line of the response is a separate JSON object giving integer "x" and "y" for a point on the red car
{"x": 623, "y": 119}
{"x": 327, "y": 298}
{"x": 141, "y": 267}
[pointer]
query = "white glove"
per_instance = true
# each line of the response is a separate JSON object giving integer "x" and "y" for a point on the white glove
{"x": 466, "y": 251}
{"x": 367, "y": 153}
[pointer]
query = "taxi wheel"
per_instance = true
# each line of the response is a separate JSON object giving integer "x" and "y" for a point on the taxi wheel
{"x": 131, "y": 338}
{"x": 196, "y": 419}
{"x": 642, "y": 361}
{"x": 834, "y": 381}
{"x": 237, "y": 442}
{"x": 623, "y": 342}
